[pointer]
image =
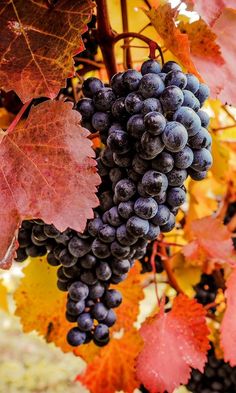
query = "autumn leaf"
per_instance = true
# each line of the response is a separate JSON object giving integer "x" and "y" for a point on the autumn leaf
{"x": 210, "y": 10}
{"x": 40, "y": 305}
{"x": 162, "y": 19}
{"x": 38, "y": 44}
{"x": 173, "y": 343}
{"x": 228, "y": 326}
{"x": 46, "y": 172}
{"x": 113, "y": 369}
{"x": 3, "y": 297}
{"x": 211, "y": 243}
{"x": 186, "y": 275}
{"x": 132, "y": 294}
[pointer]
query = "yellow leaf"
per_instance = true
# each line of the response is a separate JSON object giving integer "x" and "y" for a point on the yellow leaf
{"x": 186, "y": 275}
{"x": 221, "y": 157}
{"x": 3, "y": 297}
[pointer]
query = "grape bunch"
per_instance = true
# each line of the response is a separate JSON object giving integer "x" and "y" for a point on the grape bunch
{"x": 218, "y": 377}
{"x": 206, "y": 289}
{"x": 154, "y": 135}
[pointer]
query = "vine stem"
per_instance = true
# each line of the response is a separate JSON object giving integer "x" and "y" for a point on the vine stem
{"x": 152, "y": 260}
{"x": 167, "y": 266}
{"x": 105, "y": 37}
{"x": 18, "y": 116}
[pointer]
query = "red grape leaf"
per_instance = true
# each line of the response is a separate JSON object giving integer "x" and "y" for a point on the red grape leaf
{"x": 173, "y": 343}
{"x": 211, "y": 243}
{"x": 228, "y": 326}
{"x": 210, "y": 10}
{"x": 113, "y": 369}
{"x": 162, "y": 18}
{"x": 38, "y": 44}
{"x": 46, "y": 171}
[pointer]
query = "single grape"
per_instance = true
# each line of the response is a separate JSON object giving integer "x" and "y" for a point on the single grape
{"x": 88, "y": 277}
{"x": 101, "y": 121}
{"x": 101, "y": 334}
{"x": 107, "y": 233}
{"x": 106, "y": 202}
{"x": 203, "y": 93}
{"x": 51, "y": 231}
{"x": 118, "y": 109}
{"x": 202, "y": 160}
{"x": 176, "y": 177}
{"x": 75, "y": 337}
{"x": 24, "y": 237}
{"x": 112, "y": 298}
{"x": 113, "y": 217}
{"x": 99, "y": 311}
{"x": 171, "y": 99}
{"x": 96, "y": 291}
{"x": 118, "y": 141}
{"x": 150, "y": 146}
{"x": 119, "y": 251}
{"x": 78, "y": 291}
{"x": 91, "y": 86}
{"x": 117, "y": 84}
{"x": 125, "y": 189}
{"x": 78, "y": 247}
{"x": 140, "y": 165}
{"x": 192, "y": 83}
{"x": 131, "y": 79}
{"x": 137, "y": 226}
{"x": 100, "y": 249}
{"x": 122, "y": 160}
{"x": 86, "y": 107}
{"x": 116, "y": 174}
{"x": 88, "y": 261}
{"x": 189, "y": 119}
{"x": 176, "y": 196}
{"x": 184, "y": 158}
{"x": 163, "y": 163}
{"x": 85, "y": 322}
{"x": 135, "y": 126}
{"x": 75, "y": 308}
{"x": 196, "y": 175}
{"x": 175, "y": 136}
{"x": 124, "y": 237}
{"x": 176, "y": 78}
{"x": 145, "y": 208}
{"x": 204, "y": 117}
{"x": 151, "y": 85}
{"x": 154, "y": 182}
{"x": 201, "y": 139}
{"x": 155, "y": 123}
{"x": 169, "y": 225}
{"x": 121, "y": 266}
{"x": 72, "y": 272}
{"x": 190, "y": 100}
{"x": 126, "y": 209}
{"x": 133, "y": 103}
{"x": 153, "y": 232}
{"x": 110, "y": 318}
{"x": 94, "y": 226}
{"x": 162, "y": 215}
{"x": 103, "y": 99}
{"x": 21, "y": 255}
{"x": 170, "y": 66}
{"x": 66, "y": 259}
{"x": 150, "y": 66}
{"x": 151, "y": 105}
{"x": 103, "y": 271}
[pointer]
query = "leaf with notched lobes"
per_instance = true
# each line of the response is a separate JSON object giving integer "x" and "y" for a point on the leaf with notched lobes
{"x": 228, "y": 327}
{"x": 38, "y": 44}
{"x": 46, "y": 171}
{"x": 173, "y": 343}
{"x": 210, "y": 10}
{"x": 113, "y": 369}
{"x": 162, "y": 18}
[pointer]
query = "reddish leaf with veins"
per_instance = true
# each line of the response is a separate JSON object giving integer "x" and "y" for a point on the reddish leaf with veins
{"x": 173, "y": 343}
{"x": 38, "y": 43}
{"x": 46, "y": 171}
{"x": 210, "y": 10}
{"x": 228, "y": 326}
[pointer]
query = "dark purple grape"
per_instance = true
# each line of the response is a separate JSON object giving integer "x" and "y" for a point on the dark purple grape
{"x": 75, "y": 337}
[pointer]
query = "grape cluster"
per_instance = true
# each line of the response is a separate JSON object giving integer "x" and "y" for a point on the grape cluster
{"x": 145, "y": 261}
{"x": 155, "y": 136}
{"x": 218, "y": 377}
{"x": 206, "y": 289}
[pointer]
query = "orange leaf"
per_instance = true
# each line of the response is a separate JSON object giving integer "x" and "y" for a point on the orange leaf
{"x": 211, "y": 242}
{"x": 173, "y": 343}
{"x": 132, "y": 294}
{"x": 38, "y": 44}
{"x": 113, "y": 369}
{"x": 228, "y": 326}
{"x": 162, "y": 19}
{"x": 47, "y": 171}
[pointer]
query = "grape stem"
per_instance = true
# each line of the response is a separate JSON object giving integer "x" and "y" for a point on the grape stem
{"x": 18, "y": 117}
{"x": 152, "y": 260}
{"x": 167, "y": 266}
{"x": 153, "y": 46}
